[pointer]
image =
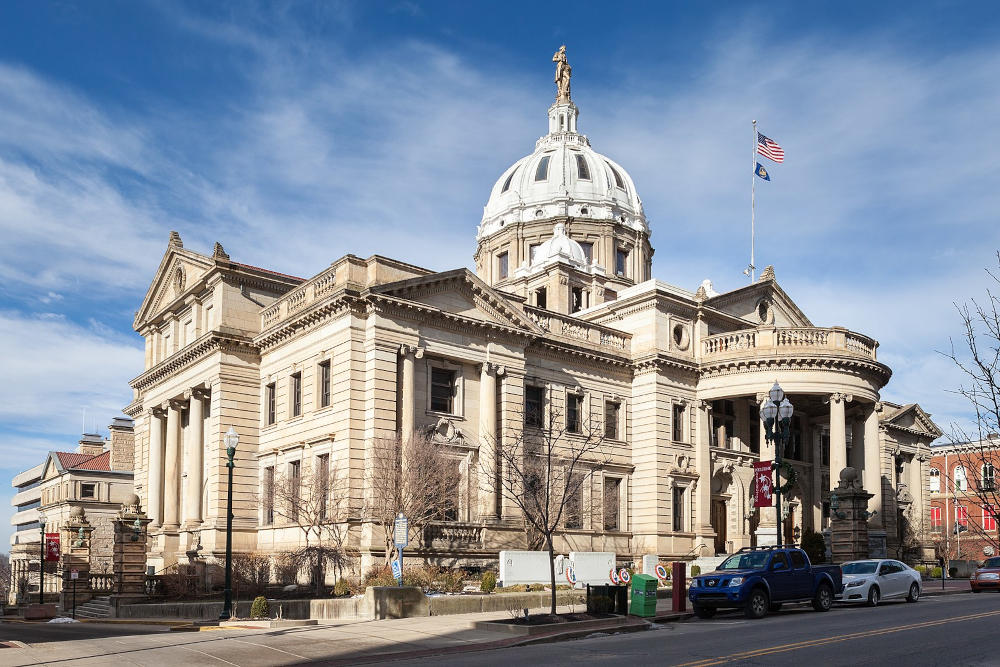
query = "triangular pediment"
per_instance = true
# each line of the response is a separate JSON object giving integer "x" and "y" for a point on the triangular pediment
{"x": 763, "y": 302}
{"x": 462, "y": 293}
{"x": 179, "y": 272}
{"x": 913, "y": 418}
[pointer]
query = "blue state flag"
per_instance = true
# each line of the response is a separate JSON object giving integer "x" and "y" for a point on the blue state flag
{"x": 761, "y": 172}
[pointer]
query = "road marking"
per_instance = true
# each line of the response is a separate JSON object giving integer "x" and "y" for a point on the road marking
{"x": 784, "y": 648}
{"x": 296, "y": 655}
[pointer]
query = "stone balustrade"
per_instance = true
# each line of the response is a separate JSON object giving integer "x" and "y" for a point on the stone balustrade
{"x": 453, "y": 534}
{"x": 568, "y": 327}
{"x": 765, "y": 341}
{"x": 102, "y": 582}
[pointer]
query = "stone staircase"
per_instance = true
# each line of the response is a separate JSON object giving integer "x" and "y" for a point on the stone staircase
{"x": 99, "y": 607}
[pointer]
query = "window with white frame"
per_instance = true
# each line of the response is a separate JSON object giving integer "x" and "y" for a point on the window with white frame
{"x": 677, "y": 509}
{"x": 612, "y": 503}
{"x": 269, "y": 401}
{"x": 936, "y": 518}
{"x": 678, "y": 422}
{"x": 295, "y": 388}
{"x": 989, "y": 518}
{"x": 935, "y": 480}
{"x": 960, "y": 481}
{"x": 574, "y": 413}
{"x": 612, "y": 415}
{"x": 323, "y": 378}
{"x": 444, "y": 383}
{"x": 988, "y": 476}
{"x": 962, "y": 515}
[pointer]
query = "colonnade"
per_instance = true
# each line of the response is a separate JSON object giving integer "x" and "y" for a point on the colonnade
{"x": 176, "y": 459}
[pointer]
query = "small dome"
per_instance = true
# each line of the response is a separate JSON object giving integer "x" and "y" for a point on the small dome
{"x": 559, "y": 248}
{"x": 564, "y": 176}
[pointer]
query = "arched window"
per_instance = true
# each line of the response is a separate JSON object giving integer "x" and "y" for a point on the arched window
{"x": 542, "y": 171}
{"x": 935, "y": 480}
{"x": 989, "y": 474}
{"x": 582, "y": 170}
{"x": 961, "y": 482}
{"x": 618, "y": 177}
{"x": 506, "y": 184}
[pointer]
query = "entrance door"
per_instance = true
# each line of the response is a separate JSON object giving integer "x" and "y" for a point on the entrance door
{"x": 719, "y": 525}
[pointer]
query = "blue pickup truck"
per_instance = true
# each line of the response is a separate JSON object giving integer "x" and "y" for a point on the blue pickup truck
{"x": 760, "y": 580}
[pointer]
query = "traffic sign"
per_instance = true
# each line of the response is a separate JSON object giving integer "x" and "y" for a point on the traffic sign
{"x": 400, "y": 533}
{"x": 397, "y": 571}
{"x": 74, "y": 574}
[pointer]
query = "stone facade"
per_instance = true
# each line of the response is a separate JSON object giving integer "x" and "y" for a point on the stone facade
{"x": 562, "y": 306}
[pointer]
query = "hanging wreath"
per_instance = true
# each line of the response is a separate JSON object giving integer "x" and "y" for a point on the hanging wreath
{"x": 790, "y": 477}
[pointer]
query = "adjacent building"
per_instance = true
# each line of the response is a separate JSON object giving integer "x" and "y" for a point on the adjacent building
{"x": 562, "y": 316}
{"x": 965, "y": 499}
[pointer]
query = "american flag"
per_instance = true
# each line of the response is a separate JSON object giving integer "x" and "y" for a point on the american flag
{"x": 770, "y": 149}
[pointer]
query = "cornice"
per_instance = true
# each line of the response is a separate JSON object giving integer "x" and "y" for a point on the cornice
{"x": 749, "y": 365}
{"x": 561, "y": 349}
{"x": 384, "y": 303}
{"x": 317, "y": 313}
{"x": 660, "y": 362}
{"x": 133, "y": 409}
{"x": 210, "y": 342}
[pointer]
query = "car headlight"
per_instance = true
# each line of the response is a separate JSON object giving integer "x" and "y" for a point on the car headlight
{"x": 856, "y": 582}
{"x": 736, "y": 581}
{"x": 989, "y": 575}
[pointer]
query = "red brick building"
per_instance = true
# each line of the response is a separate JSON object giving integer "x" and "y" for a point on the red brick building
{"x": 965, "y": 499}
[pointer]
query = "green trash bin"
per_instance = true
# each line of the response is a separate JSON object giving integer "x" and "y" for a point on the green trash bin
{"x": 643, "y": 595}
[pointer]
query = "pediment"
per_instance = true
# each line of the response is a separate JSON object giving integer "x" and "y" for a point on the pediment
{"x": 179, "y": 272}
{"x": 462, "y": 293}
{"x": 913, "y": 418}
{"x": 761, "y": 303}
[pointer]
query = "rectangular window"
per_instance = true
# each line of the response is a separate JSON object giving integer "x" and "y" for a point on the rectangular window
{"x": 723, "y": 424}
{"x": 574, "y": 503}
{"x": 295, "y": 482}
{"x": 989, "y": 518}
{"x": 574, "y": 413}
{"x": 588, "y": 252}
{"x": 269, "y": 495}
{"x": 936, "y": 518}
{"x": 534, "y": 406}
{"x": 678, "y": 423}
{"x": 989, "y": 476}
{"x": 451, "y": 504}
{"x": 269, "y": 400}
{"x": 621, "y": 261}
{"x": 678, "y": 509}
{"x": 323, "y": 483}
{"x": 935, "y": 482}
{"x": 575, "y": 299}
{"x": 612, "y": 503}
{"x": 540, "y": 295}
{"x": 324, "y": 384}
{"x": 611, "y": 412}
{"x": 442, "y": 390}
{"x": 962, "y": 515}
{"x": 502, "y": 265}
{"x": 296, "y": 389}
{"x": 88, "y": 490}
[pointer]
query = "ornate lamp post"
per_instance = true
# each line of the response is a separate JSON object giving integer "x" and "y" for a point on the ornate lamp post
{"x": 41, "y": 559}
{"x": 776, "y": 413}
{"x": 231, "y": 439}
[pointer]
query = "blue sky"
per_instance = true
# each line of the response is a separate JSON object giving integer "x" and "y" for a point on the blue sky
{"x": 294, "y": 133}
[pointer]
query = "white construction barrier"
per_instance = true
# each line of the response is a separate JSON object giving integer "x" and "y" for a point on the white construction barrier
{"x": 528, "y": 567}
{"x": 592, "y": 567}
{"x": 649, "y": 563}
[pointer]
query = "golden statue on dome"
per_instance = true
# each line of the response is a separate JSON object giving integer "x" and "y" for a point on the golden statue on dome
{"x": 563, "y": 74}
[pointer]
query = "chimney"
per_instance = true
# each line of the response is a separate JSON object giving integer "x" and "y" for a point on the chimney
{"x": 122, "y": 444}
{"x": 90, "y": 444}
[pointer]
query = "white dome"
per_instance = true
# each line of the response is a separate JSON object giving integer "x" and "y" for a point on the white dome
{"x": 563, "y": 177}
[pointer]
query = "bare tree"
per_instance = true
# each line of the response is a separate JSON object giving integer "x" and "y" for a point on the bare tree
{"x": 415, "y": 478}
{"x": 315, "y": 501}
{"x": 541, "y": 469}
{"x": 978, "y": 358}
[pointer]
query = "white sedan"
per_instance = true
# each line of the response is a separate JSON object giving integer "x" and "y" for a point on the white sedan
{"x": 871, "y": 581}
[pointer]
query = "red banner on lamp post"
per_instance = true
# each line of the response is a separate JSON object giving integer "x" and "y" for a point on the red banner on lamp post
{"x": 763, "y": 484}
{"x": 51, "y": 547}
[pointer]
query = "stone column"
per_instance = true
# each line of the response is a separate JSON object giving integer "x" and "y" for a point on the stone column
{"x": 873, "y": 468}
{"x": 171, "y": 468}
{"x": 703, "y": 491}
{"x": 154, "y": 482}
{"x": 76, "y": 533}
{"x": 858, "y": 446}
{"x": 487, "y": 473}
{"x": 817, "y": 479}
{"x": 194, "y": 458}
{"x": 409, "y": 353}
{"x": 838, "y": 437}
{"x": 129, "y": 561}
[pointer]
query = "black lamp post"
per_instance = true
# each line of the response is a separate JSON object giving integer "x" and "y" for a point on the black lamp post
{"x": 776, "y": 413}
{"x": 41, "y": 559}
{"x": 231, "y": 439}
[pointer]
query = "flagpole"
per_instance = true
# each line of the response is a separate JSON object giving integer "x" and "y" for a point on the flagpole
{"x": 753, "y": 201}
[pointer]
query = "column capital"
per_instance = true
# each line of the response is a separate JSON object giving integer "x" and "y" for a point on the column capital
{"x": 700, "y": 404}
{"x": 838, "y": 397}
{"x": 492, "y": 368}
{"x": 761, "y": 397}
{"x": 176, "y": 404}
{"x": 406, "y": 349}
{"x": 155, "y": 412}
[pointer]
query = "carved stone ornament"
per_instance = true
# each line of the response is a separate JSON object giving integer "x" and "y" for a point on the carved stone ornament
{"x": 131, "y": 507}
{"x": 218, "y": 252}
{"x": 563, "y": 74}
{"x": 767, "y": 274}
{"x": 175, "y": 240}
{"x": 417, "y": 352}
{"x": 445, "y": 431}
{"x": 180, "y": 279}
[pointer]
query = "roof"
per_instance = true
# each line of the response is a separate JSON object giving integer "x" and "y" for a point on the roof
{"x": 276, "y": 273}
{"x": 72, "y": 460}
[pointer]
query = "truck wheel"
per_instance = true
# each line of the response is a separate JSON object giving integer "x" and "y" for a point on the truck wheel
{"x": 823, "y": 599}
{"x": 757, "y": 605}
{"x": 704, "y": 612}
{"x": 873, "y": 596}
{"x": 914, "y": 593}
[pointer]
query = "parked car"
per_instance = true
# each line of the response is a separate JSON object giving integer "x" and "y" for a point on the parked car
{"x": 761, "y": 580}
{"x": 986, "y": 577}
{"x": 873, "y": 580}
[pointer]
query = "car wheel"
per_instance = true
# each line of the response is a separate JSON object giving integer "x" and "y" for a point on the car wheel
{"x": 873, "y": 596}
{"x": 914, "y": 593}
{"x": 704, "y": 612}
{"x": 774, "y": 606}
{"x": 823, "y": 599}
{"x": 757, "y": 605}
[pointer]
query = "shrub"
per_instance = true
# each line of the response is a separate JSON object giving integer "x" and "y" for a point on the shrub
{"x": 379, "y": 576}
{"x": 814, "y": 545}
{"x": 260, "y": 608}
{"x": 489, "y": 582}
{"x": 936, "y": 572}
{"x": 342, "y": 588}
{"x": 450, "y": 581}
{"x": 695, "y": 570}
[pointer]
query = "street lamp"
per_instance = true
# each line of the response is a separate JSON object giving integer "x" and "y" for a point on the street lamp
{"x": 231, "y": 439}
{"x": 41, "y": 558}
{"x": 776, "y": 413}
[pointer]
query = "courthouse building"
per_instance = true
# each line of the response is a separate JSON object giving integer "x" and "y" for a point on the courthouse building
{"x": 563, "y": 313}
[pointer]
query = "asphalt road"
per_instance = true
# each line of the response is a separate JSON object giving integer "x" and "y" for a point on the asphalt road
{"x": 949, "y": 630}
